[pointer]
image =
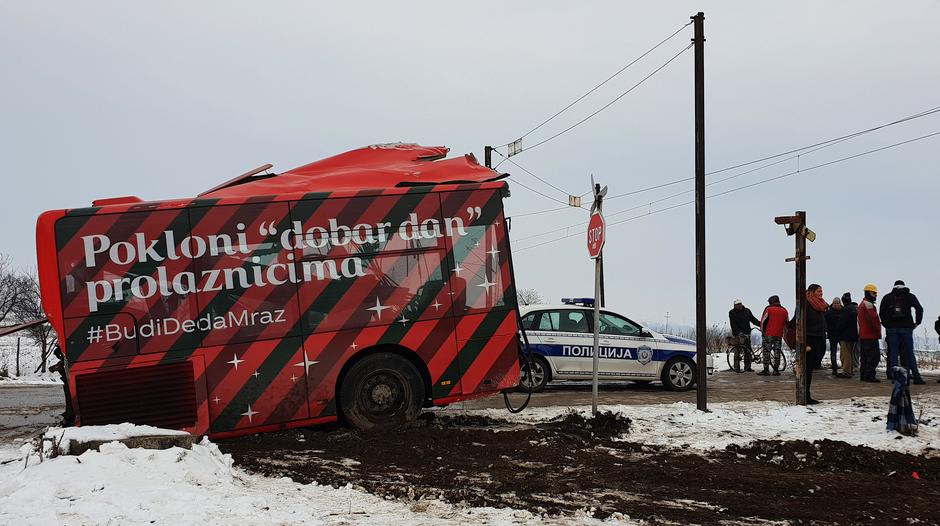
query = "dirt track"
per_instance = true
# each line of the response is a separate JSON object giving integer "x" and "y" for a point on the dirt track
{"x": 723, "y": 386}
{"x": 560, "y": 468}
{"x": 564, "y": 466}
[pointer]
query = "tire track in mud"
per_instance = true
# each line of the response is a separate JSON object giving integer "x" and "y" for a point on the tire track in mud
{"x": 571, "y": 464}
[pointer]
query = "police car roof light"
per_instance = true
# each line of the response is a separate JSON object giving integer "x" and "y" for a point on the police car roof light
{"x": 587, "y": 302}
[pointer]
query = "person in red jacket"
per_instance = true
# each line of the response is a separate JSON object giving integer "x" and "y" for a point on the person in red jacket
{"x": 869, "y": 335}
{"x": 772, "y": 322}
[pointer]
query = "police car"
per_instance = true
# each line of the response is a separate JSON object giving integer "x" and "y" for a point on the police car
{"x": 561, "y": 338}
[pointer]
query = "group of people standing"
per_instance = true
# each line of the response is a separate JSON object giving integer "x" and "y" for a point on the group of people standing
{"x": 852, "y": 330}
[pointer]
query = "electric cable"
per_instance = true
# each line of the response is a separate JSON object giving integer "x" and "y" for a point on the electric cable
{"x": 595, "y": 88}
{"x": 517, "y": 165}
{"x": 736, "y": 189}
{"x": 609, "y": 104}
{"x": 817, "y": 146}
{"x": 546, "y": 196}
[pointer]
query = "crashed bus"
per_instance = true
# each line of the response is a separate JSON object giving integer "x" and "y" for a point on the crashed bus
{"x": 361, "y": 287}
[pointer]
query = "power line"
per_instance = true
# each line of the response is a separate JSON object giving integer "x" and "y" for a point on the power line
{"x": 608, "y": 79}
{"x": 840, "y": 139}
{"x": 809, "y": 149}
{"x": 609, "y": 104}
{"x": 737, "y": 189}
{"x": 517, "y": 165}
{"x": 537, "y": 212}
{"x": 546, "y": 196}
{"x": 800, "y": 152}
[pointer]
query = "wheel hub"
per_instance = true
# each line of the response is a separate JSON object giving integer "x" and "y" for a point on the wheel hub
{"x": 382, "y": 394}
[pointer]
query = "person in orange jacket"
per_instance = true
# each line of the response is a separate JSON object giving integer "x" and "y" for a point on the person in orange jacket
{"x": 869, "y": 334}
{"x": 772, "y": 323}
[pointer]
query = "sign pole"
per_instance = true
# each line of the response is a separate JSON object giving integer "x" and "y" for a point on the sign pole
{"x": 597, "y": 327}
{"x": 596, "y": 236}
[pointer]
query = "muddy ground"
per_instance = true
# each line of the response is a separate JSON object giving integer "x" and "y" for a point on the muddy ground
{"x": 571, "y": 464}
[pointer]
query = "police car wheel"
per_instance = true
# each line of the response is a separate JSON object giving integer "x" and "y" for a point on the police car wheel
{"x": 381, "y": 391}
{"x": 679, "y": 374}
{"x": 540, "y": 375}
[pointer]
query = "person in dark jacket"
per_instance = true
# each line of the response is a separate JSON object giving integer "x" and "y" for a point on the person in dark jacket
{"x": 741, "y": 319}
{"x": 832, "y": 323}
{"x": 899, "y": 325}
{"x": 869, "y": 334}
{"x": 936, "y": 327}
{"x": 816, "y": 308}
{"x": 848, "y": 335}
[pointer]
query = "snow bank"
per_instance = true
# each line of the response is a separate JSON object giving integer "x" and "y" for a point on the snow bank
{"x": 201, "y": 486}
{"x": 64, "y": 436}
{"x": 857, "y": 421}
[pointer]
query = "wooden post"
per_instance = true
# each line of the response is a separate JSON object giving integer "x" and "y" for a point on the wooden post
{"x": 796, "y": 226}
{"x": 701, "y": 343}
{"x": 17, "y": 356}
{"x": 802, "y": 390}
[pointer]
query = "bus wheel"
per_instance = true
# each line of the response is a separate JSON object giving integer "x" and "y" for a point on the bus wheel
{"x": 381, "y": 391}
{"x": 679, "y": 374}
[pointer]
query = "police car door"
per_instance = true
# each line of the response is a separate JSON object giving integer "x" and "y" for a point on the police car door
{"x": 564, "y": 336}
{"x": 626, "y": 350}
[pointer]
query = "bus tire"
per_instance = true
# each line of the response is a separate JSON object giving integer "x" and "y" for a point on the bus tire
{"x": 381, "y": 391}
{"x": 679, "y": 374}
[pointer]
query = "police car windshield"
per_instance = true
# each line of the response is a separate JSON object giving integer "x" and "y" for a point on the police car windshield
{"x": 613, "y": 324}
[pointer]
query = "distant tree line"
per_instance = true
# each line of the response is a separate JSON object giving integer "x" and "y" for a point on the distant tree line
{"x": 20, "y": 302}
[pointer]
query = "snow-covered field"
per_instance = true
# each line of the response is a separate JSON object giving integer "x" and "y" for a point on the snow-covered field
{"x": 856, "y": 421}
{"x": 176, "y": 486}
{"x": 30, "y": 355}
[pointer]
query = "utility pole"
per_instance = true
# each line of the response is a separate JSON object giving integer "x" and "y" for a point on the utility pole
{"x": 796, "y": 226}
{"x": 666, "y": 330}
{"x": 488, "y": 156}
{"x": 801, "y": 365}
{"x": 701, "y": 342}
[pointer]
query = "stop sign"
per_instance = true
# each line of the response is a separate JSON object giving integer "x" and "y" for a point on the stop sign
{"x": 595, "y": 235}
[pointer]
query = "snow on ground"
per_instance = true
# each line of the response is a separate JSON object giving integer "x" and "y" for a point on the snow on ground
{"x": 64, "y": 435}
{"x": 30, "y": 355}
{"x": 857, "y": 421}
{"x": 46, "y": 378}
{"x": 118, "y": 485}
{"x": 201, "y": 486}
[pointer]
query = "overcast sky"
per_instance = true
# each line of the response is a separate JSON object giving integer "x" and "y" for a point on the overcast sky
{"x": 104, "y": 99}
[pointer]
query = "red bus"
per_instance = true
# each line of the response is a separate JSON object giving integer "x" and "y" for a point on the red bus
{"x": 364, "y": 286}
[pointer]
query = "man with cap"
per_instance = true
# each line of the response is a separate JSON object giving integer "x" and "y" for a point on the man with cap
{"x": 869, "y": 334}
{"x": 832, "y": 330}
{"x": 741, "y": 319}
{"x": 899, "y": 325}
{"x": 772, "y": 322}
